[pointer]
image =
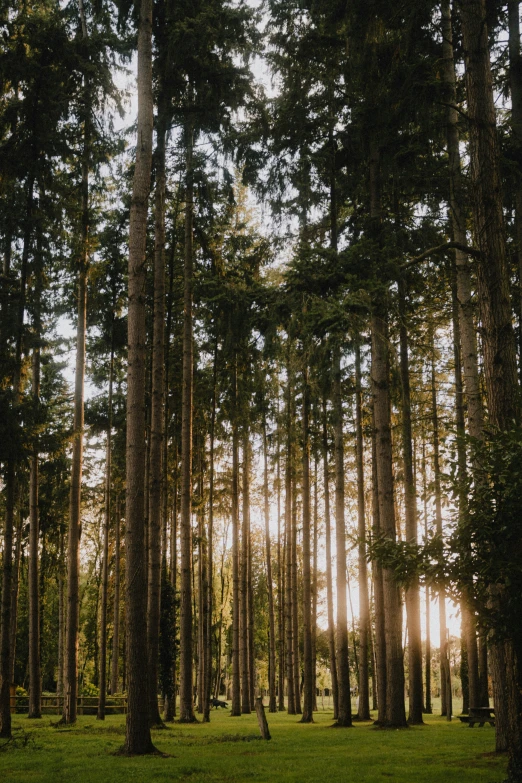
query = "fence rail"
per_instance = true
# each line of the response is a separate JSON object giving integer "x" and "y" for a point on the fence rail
{"x": 86, "y": 705}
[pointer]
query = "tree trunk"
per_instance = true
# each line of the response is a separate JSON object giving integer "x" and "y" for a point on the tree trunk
{"x": 73, "y": 546}
{"x": 395, "y": 712}
{"x": 427, "y": 704}
{"x": 236, "y": 677}
{"x": 210, "y": 559}
{"x": 515, "y": 79}
{"x": 157, "y": 433}
{"x": 308, "y": 693}
{"x": 7, "y": 642}
{"x": 115, "y": 660}
{"x": 280, "y": 588}
{"x": 186, "y": 701}
{"x": 291, "y": 685}
{"x": 466, "y": 339}
{"x": 251, "y": 644}
{"x": 329, "y": 580}
{"x": 410, "y": 509}
{"x": 245, "y": 535}
{"x": 378, "y": 591}
{"x": 138, "y": 739}
{"x": 364, "y": 605}
{"x": 105, "y": 559}
{"x": 272, "y": 707}
{"x": 444, "y": 662}
{"x": 35, "y": 676}
{"x": 314, "y": 584}
{"x": 344, "y": 717}
{"x": 294, "y": 597}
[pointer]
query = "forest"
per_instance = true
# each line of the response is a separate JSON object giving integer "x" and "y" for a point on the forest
{"x": 260, "y": 390}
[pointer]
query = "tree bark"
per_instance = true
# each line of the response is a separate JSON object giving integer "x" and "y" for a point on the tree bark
{"x": 186, "y": 705}
{"x": 329, "y": 580}
{"x": 410, "y": 509}
{"x": 272, "y": 706}
{"x": 515, "y": 79}
{"x": 294, "y": 596}
{"x": 308, "y": 692}
{"x": 115, "y": 659}
{"x": 35, "y": 676}
{"x": 427, "y": 704}
{"x": 157, "y": 432}
{"x": 236, "y": 676}
{"x": 344, "y": 717}
{"x": 364, "y": 604}
{"x": 245, "y": 535}
{"x": 445, "y": 698}
{"x": 105, "y": 559}
{"x": 466, "y": 339}
{"x": 280, "y": 589}
{"x": 395, "y": 715}
{"x": 314, "y": 583}
{"x": 210, "y": 557}
{"x": 138, "y": 739}
{"x": 291, "y": 685}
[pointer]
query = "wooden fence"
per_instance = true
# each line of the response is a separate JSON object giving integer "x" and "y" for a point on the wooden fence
{"x": 87, "y": 705}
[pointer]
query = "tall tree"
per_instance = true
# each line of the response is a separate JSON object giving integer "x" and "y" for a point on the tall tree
{"x": 138, "y": 739}
{"x": 344, "y": 717}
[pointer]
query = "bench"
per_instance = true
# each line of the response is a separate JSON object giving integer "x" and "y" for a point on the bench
{"x": 480, "y": 715}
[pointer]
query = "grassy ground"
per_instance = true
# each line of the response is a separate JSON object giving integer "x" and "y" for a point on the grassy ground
{"x": 228, "y": 750}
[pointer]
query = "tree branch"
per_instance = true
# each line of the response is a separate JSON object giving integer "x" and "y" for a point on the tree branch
{"x": 470, "y": 251}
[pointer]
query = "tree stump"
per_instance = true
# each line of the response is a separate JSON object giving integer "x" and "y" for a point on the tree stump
{"x": 261, "y": 719}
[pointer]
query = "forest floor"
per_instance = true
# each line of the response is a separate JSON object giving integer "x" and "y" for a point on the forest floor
{"x": 229, "y": 750}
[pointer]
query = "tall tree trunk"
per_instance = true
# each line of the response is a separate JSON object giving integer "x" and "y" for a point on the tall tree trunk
{"x": 280, "y": 588}
{"x": 7, "y": 642}
{"x": 170, "y": 709}
{"x": 203, "y": 598}
{"x": 291, "y": 685}
{"x": 250, "y": 618}
{"x": 445, "y": 698}
{"x": 105, "y": 559}
{"x": 344, "y": 717}
{"x": 115, "y": 660}
{"x": 294, "y": 596}
{"x": 314, "y": 583}
{"x": 364, "y": 604}
{"x": 308, "y": 693}
{"x": 35, "y": 675}
{"x": 210, "y": 559}
{"x": 515, "y": 79}
{"x": 138, "y": 739}
{"x": 329, "y": 580}
{"x": 157, "y": 433}
{"x": 466, "y": 341}
{"x": 16, "y": 588}
{"x": 427, "y": 704}
{"x": 410, "y": 509}
{"x": 236, "y": 676}
{"x": 378, "y": 591}
{"x": 73, "y": 544}
{"x": 272, "y": 706}
{"x": 395, "y": 712}
{"x": 245, "y": 535}
{"x": 186, "y": 701}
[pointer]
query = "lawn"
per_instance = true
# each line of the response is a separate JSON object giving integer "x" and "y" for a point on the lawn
{"x": 228, "y": 750}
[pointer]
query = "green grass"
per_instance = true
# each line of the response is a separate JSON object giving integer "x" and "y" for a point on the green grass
{"x": 228, "y": 751}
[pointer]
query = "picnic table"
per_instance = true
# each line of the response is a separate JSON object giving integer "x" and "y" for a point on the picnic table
{"x": 480, "y": 715}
